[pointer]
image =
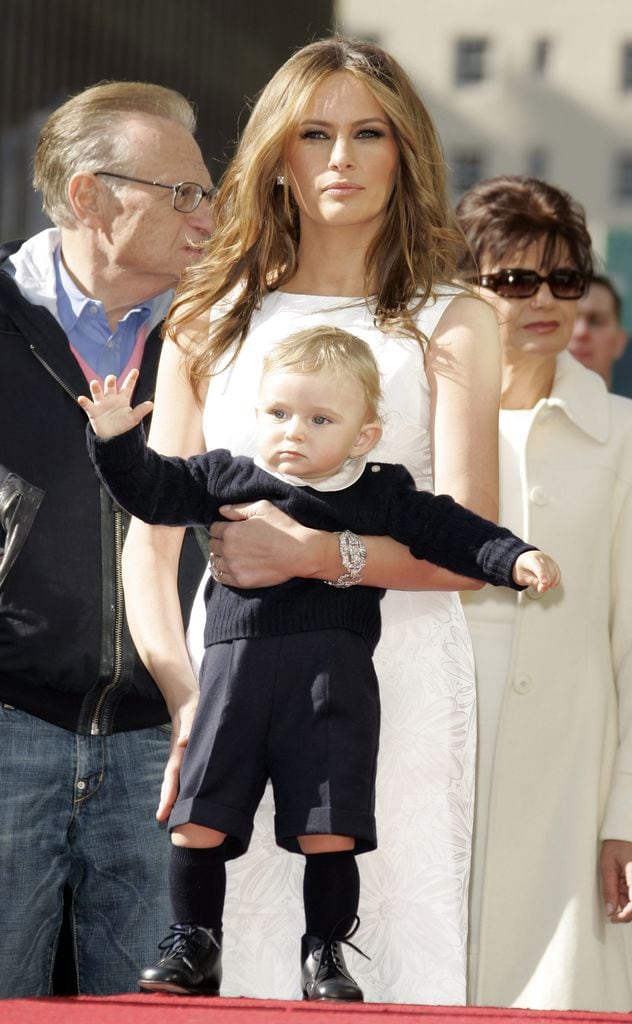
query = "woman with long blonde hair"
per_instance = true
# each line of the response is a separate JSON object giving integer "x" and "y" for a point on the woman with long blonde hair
{"x": 334, "y": 211}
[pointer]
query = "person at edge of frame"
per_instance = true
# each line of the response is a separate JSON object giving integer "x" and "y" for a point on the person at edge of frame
{"x": 553, "y": 673}
{"x": 599, "y": 339}
{"x": 84, "y": 731}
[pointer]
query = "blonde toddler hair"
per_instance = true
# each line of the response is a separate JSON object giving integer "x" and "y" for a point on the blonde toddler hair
{"x": 331, "y": 350}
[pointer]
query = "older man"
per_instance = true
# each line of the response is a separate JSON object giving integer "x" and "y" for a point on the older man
{"x": 83, "y": 730}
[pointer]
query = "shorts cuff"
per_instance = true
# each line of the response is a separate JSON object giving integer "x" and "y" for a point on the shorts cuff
{"x": 237, "y": 826}
{"x": 326, "y": 821}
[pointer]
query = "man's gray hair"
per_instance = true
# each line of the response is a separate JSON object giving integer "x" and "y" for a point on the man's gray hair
{"x": 85, "y": 134}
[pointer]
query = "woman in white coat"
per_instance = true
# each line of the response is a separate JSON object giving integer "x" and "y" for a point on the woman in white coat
{"x": 551, "y": 890}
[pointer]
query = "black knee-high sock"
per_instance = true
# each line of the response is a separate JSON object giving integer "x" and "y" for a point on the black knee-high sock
{"x": 197, "y": 885}
{"x": 331, "y": 893}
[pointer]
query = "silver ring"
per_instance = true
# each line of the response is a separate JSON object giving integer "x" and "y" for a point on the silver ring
{"x": 213, "y": 564}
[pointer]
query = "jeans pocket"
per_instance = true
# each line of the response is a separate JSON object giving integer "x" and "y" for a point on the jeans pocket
{"x": 19, "y": 504}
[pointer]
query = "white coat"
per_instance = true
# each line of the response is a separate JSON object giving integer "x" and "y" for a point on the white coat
{"x": 560, "y": 779}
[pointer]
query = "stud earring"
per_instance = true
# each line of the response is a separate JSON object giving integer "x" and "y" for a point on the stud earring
{"x": 280, "y": 179}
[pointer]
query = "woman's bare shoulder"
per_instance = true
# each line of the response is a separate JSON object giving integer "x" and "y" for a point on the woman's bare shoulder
{"x": 466, "y": 312}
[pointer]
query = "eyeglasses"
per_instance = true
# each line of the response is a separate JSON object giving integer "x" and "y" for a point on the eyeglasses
{"x": 565, "y": 283}
{"x": 186, "y": 196}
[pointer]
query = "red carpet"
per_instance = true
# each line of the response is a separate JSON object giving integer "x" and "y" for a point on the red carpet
{"x": 158, "y": 1009}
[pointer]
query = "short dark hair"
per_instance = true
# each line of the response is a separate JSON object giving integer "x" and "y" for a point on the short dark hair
{"x": 510, "y": 212}
{"x": 606, "y": 283}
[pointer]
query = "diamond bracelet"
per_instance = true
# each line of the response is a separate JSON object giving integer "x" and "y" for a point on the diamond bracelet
{"x": 353, "y": 558}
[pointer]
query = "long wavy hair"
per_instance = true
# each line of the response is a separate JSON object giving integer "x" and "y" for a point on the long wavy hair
{"x": 255, "y": 243}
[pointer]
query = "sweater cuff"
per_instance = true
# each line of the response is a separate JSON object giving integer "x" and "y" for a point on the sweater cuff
{"x": 500, "y": 558}
{"x": 121, "y": 450}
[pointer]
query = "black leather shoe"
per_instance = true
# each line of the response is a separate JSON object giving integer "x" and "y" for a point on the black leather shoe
{"x": 192, "y": 962}
{"x": 324, "y": 974}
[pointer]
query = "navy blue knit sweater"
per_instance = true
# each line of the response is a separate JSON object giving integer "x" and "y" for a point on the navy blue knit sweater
{"x": 384, "y": 501}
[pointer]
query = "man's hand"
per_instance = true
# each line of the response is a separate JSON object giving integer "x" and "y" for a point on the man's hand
{"x": 615, "y": 866}
{"x": 181, "y": 722}
{"x": 110, "y": 412}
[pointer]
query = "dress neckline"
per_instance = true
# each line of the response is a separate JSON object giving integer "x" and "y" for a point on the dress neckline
{"x": 441, "y": 291}
{"x": 314, "y": 295}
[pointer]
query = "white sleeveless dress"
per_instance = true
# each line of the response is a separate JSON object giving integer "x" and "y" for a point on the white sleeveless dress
{"x": 413, "y": 900}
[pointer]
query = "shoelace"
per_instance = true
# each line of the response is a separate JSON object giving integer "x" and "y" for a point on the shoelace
{"x": 182, "y": 936}
{"x": 330, "y": 947}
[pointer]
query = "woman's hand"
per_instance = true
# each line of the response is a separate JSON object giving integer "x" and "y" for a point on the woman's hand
{"x": 262, "y": 546}
{"x": 615, "y": 865}
{"x": 181, "y": 723}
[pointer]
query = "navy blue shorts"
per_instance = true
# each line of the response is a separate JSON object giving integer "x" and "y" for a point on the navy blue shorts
{"x": 301, "y": 710}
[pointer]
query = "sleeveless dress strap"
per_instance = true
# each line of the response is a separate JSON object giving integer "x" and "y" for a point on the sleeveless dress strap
{"x": 428, "y": 318}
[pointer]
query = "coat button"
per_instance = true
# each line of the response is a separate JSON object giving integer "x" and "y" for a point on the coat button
{"x": 523, "y": 684}
{"x": 538, "y": 496}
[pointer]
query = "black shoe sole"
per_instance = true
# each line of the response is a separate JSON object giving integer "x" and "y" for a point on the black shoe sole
{"x": 180, "y": 990}
{"x": 332, "y": 999}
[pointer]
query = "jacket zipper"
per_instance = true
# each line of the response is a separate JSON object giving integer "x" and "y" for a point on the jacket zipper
{"x": 96, "y": 721}
{"x": 117, "y": 662}
{"x": 54, "y": 375}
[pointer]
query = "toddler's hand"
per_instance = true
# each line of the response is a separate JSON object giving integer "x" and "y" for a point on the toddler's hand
{"x": 110, "y": 412}
{"x": 535, "y": 569}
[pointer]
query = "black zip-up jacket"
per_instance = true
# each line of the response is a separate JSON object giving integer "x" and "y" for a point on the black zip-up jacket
{"x": 65, "y": 651}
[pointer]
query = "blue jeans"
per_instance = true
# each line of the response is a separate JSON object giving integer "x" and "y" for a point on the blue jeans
{"x": 80, "y": 810}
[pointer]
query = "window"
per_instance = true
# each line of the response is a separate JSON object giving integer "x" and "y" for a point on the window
{"x": 626, "y": 68}
{"x": 540, "y": 57}
{"x": 623, "y": 178}
{"x": 468, "y": 167}
{"x": 471, "y": 60}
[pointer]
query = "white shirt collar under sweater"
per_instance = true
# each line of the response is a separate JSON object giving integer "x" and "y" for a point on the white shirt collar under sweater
{"x": 350, "y": 471}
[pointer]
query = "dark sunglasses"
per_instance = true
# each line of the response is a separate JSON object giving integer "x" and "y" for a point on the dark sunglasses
{"x": 564, "y": 283}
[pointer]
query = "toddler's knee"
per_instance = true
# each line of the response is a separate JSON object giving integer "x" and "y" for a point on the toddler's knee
{"x": 197, "y": 837}
{"x": 325, "y": 843}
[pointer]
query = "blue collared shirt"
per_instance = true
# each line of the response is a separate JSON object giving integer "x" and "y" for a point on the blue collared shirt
{"x": 86, "y": 325}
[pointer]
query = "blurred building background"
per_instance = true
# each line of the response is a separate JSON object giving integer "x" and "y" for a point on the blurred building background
{"x": 536, "y": 86}
{"x": 219, "y": 53}
{"x": 539, "y": 87}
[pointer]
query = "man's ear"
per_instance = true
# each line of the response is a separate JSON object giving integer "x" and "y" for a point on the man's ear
{"x": 87, "y": 198}
{"x": 622, "y": 343}
{"x": 367, "y": 439}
